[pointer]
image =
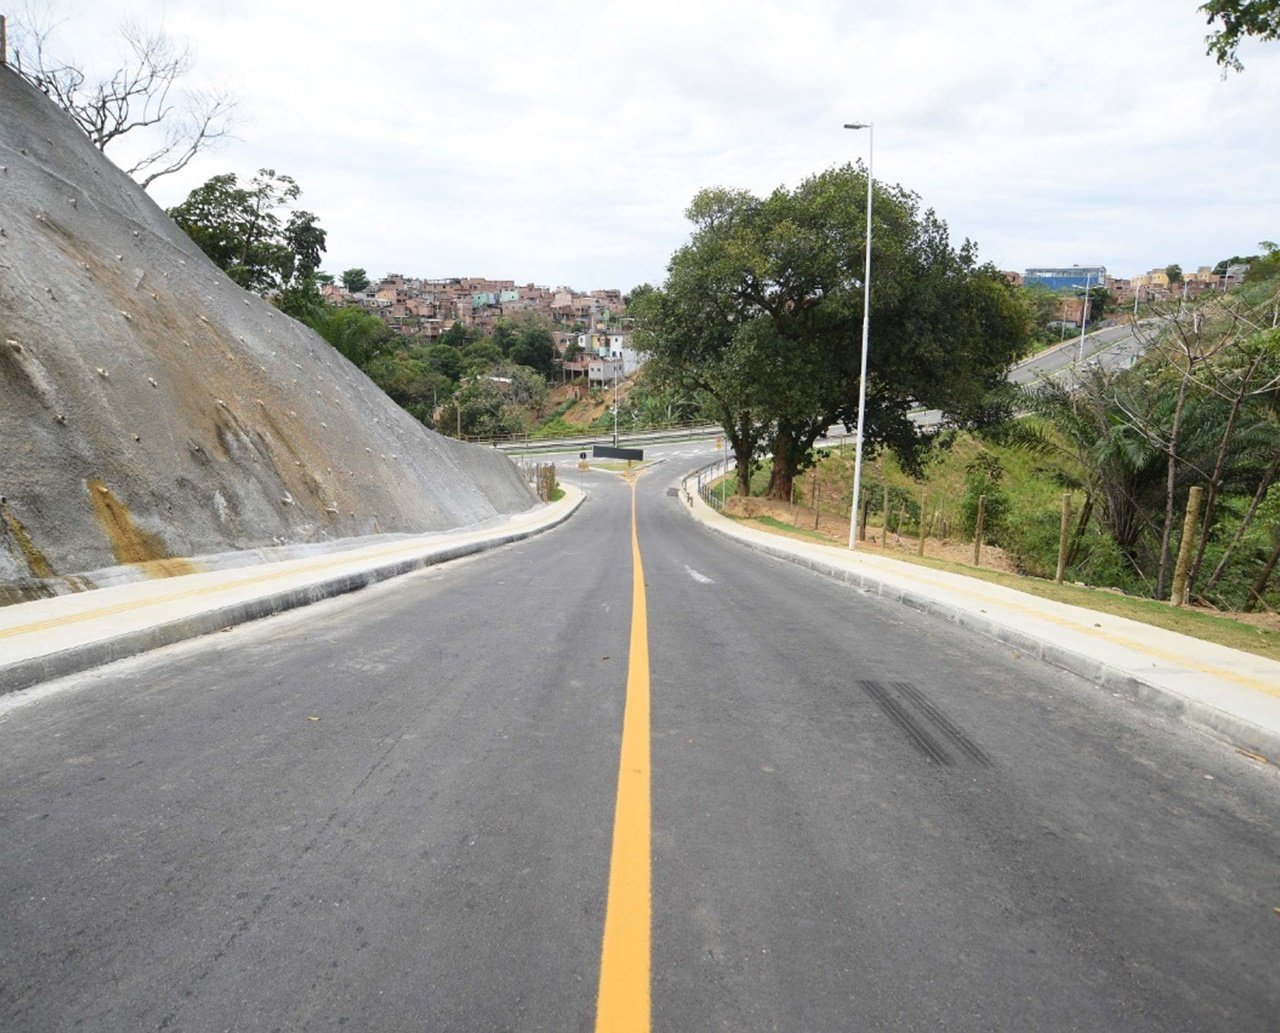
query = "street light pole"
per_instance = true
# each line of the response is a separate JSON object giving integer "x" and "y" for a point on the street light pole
{"x": 866, "y": 329}
{"x": 1084, "y": 318}
{"x": 615, "y": 401}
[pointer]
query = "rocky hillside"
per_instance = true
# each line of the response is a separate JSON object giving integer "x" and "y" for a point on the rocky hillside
{"x": 150, "y": 409}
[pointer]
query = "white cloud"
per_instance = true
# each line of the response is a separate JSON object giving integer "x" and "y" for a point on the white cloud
{"x": 561, "y": 142}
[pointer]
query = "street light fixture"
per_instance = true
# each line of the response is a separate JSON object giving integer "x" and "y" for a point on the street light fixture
{"x": 866, "y": 328}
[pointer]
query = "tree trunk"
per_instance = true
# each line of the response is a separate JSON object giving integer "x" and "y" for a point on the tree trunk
{"x": 791, "y": 443}
{"x": 782, "y": 476}
{"x": 1077, "y": 539}
{"x": 742, "y": 456}
{"x": 1216, "y": 478}
{"x": 741, "y": 444}
{"x": 1179, "y": 597}
{"x": 1166, "y": 534}
{"x": 1260, "y": 585}
{"x": 1258, "y": 496}
{"x": 1064, "y": 538}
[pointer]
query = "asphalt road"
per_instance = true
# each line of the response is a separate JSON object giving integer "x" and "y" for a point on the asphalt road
{"x": 1114, "y": 347}
{"x": 394, "y": 811}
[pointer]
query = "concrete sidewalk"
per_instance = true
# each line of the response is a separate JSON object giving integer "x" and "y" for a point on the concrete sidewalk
{"x": 1231, "y": 694}
{"x": 50, "y": 638}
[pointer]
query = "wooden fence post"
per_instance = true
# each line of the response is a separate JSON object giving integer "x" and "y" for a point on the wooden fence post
{"x": 924, "y": 501}
{"x": 1179, "y": 597}
{"x": 1064, "y": 535}
{"x": 977, "y": 535}
{"x": 884, "y": 519}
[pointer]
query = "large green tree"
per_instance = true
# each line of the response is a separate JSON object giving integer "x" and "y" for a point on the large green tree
{"x": 357, "y": 334}
{"x": 241, "y": 229}
{"x": 499, "y": 403}
{"x": 536, "y": 348}
{"x": 355, "y": 279}
{"x": 458, "y": 336}
{"x": 410, "y": 382}
{"x": 445, "y": 360}
{"x": 1265, "y": 266}
{"x": 761, "y": 316}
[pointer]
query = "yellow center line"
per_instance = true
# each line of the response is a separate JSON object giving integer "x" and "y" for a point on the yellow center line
{"x": 623, "y": 1001}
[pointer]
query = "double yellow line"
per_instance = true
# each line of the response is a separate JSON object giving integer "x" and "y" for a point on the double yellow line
{"x": 623, "y": 1001}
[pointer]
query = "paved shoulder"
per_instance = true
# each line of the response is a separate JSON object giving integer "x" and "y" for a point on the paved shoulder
{"x": 1229, "y": 693}
{"x": 51, "y": 638}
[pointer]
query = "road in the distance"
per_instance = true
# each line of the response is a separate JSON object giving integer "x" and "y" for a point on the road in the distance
{"x": 394, "y": 812}
{"x": 1114, "y": 347}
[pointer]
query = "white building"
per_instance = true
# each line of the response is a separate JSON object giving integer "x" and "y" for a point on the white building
{"x": 602, "y": 369}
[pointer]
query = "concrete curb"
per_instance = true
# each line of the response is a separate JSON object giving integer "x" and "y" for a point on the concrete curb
{"x": 1228, "y": 727}
{"x": 27, "y": 673}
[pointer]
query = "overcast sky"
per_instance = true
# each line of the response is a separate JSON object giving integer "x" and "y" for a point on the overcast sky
{"x": 560, "y": 142}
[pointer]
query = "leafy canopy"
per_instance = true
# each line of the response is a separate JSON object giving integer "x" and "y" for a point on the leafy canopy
{"x": 761, "y": 317}
{"x": 1237, "y": 20}
{"x": 240, "y": 229}
{"x": 355, "y": 280}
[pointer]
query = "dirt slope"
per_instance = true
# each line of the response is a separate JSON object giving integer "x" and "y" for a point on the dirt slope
{"x": 151, "y": 409}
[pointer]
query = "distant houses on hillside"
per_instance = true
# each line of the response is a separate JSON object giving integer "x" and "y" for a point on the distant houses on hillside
{"x": 427, "y": 308}
{"x": 1156, "y": 285}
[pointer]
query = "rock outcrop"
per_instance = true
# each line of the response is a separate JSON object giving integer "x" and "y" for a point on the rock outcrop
{"x": 152, "y": 410}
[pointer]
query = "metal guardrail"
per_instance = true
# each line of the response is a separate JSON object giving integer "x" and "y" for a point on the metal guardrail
{"x": 703, "y": 481}
{"x": 584, "y": 442}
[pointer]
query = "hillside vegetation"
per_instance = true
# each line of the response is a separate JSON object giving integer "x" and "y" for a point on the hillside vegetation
{"x": 1200, "y": 410}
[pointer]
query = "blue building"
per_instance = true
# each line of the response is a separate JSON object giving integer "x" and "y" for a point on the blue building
{"x": 1072, "y": 278}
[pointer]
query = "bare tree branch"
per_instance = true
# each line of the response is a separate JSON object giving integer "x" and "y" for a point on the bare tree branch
{"x": 143, "y": 96}
{"x": 207, "y": 119}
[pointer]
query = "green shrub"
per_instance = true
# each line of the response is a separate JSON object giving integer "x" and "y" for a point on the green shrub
{"x": 1101, "y": 563}
{"x": 982, "y": 477}
{"x": 1030, "y": 541}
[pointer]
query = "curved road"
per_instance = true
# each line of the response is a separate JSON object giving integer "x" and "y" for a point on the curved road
{"x": 396, "y": 811}
{"x": 1114, "y": 347}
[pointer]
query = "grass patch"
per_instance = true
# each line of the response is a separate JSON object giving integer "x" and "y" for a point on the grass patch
{"x": 555, "y": 427}
{"x": 1034, "y": 484}
{"x": 774, "y": 524}
{"x": 1208, "y": 627}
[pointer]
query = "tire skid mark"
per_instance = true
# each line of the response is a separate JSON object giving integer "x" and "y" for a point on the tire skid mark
{"x": 950, "y": 729}
{"x": 905, "y": 720}
{"x": 927, "y": 727}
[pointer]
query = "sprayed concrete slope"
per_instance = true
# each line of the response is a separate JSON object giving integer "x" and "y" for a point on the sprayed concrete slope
{"x": 151, "y": 410}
